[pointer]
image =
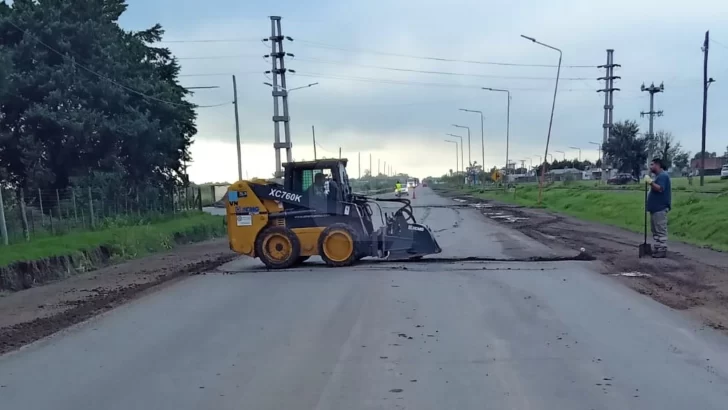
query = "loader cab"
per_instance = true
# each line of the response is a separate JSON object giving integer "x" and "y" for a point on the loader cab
{"x": 299, "y": 176}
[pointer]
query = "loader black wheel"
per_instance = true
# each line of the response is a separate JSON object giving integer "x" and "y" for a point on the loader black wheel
{"x": 302, "y": 259}
{"x": 278, "y": 247}
{"x": 337, "y": 245}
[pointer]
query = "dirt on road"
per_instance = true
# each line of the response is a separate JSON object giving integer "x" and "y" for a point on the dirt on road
{"x": 32, "y": 314}
{"x": 690, "y": 278}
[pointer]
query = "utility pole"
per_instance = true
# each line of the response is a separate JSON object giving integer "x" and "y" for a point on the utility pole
{"x": 358, "y": 161}
{"x": 706, "y": 84}
{"x": 279, "y": 69}
{"x": 237, "y": 130}
{"x": 370, "y": 166}
{"x": 339, "y": 152}
{"x": 652, "y": 89}
{"x": 379, "y": 168}
{"x": 313, "y": 134}
{"x": 608, "y": 91}
{"x": 385, "y": 167}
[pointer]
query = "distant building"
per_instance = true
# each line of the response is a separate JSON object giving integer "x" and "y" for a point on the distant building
{"x": 712, "y": 165}
{"x": 565, "y": 174}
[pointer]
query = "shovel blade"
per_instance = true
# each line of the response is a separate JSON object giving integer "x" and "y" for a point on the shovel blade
{"x": 645, "y": 249}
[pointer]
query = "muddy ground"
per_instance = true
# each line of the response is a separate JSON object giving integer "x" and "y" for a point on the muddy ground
{"x": 34, "y": 313}
{"x": 690, "y": 278}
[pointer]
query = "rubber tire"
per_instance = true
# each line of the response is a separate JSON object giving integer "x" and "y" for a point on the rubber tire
{"x": 302, "y": 259}
{"x": 295, "y": 244}
{"x": 338, "y": 227}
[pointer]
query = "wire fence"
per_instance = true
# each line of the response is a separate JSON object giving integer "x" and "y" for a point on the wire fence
{"x": 26, "y": 215}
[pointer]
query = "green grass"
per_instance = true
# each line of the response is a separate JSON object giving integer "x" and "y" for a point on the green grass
{"x": 125, "y": 240}
{"x": 696, "y": 218}
{"x": 713, "y": 183}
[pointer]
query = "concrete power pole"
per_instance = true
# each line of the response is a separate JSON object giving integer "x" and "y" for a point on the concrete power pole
{"x": 370, "y": 166}
{"x": 237, "y": 130}
{"x": 279, "y": 91}
{"x": 706, "y": 84}
{"x": 379, "y": 168}
{"x": 358, "y": 162}
{"x": 652, "y": 89}
{"x": 608, "y": 91}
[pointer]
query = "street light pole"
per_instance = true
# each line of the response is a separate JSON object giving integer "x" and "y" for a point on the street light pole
{"x": 551, "y": 120}
{"x": 462, "y": 159}
{"x": 482, "y": 133}
{"x": 456, "y": 154}
{"x": 563, "y": 155}
{"x": 508, "y": 119}
{"x": 237, "y": 130}
{"x": 467, "y": 128}
{"x": 599, "y": 151}
{"x": 579, "y": 149}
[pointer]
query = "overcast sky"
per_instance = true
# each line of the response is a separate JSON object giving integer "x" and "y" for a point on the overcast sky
{"x": 402, "y": 117}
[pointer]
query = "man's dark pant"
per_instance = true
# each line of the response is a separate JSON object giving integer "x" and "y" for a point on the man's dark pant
{"x": 658, "y": 221}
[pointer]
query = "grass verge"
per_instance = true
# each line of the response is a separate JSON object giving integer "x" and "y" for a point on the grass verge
{"x": 145, "y": 236}
{"x": 697, "y": 219}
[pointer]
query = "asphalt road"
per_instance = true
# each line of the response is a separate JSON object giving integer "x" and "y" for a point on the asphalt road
{"x": 438, "y": 335}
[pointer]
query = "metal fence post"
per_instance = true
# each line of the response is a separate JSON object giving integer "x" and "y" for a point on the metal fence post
{"x": 3, "y": 226}
{"x": 91, "y": 207}
{"x": 58, "y": 206}
{"x": 199, "y": 198}
{"x": 75, "y": 210}
{"x": 42, "y": 214}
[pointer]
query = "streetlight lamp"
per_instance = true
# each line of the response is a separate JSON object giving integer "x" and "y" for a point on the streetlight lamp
{"x": 599, "y": 149}
{"x": 551, "y": 156}
{"x": 508, "y": 119}
{"x": 461, "y": 148}
{"x": 563, "y": 158}
{"x": 482, "y": 133}
{"x": 551, "y": 120}
{"x": 467, "y": 128}
{"x": 579, "y": 149}
{"x": 456, "y": 154}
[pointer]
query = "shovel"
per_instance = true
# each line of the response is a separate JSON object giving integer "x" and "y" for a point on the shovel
{"x": 645, "y": 248}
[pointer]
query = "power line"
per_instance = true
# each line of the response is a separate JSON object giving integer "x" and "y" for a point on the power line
{"x": 314, "y": 44}
{"x": 453, "y": 60}
{"x": 103, "y": 77}
{"x": 216, "y": 74}
{"x": 233, "y": 40}
{"x": 410, "y": 70}
{"x": 718, "y": 43}
{"x": 405, "y": 82}
{"x": 218, "y": 57}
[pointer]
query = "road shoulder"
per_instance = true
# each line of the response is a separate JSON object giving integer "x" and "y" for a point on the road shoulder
{"x": 691, "y": 278}
{"x": 35, "y": 313}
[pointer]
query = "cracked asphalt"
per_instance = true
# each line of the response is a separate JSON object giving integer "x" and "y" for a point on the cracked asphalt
{"x": 440, "y": 335}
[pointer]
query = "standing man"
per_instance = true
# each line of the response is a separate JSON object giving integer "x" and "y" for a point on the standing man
{"x": 659, "y": 203}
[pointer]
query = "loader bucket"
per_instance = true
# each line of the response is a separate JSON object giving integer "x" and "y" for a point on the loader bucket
{"x": 416, "y": 242}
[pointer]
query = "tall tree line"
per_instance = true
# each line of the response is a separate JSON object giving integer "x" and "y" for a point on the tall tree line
{"x": 84, "y": 102}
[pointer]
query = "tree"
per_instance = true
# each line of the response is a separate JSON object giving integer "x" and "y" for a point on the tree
{"x": 681, "y": 160}
{"x": 699, "y": 155}
{"x": 84, "y": 100}
{"x": 663, "y": 146}
{"x": 725, "y": 154}
{"x": 625, "y": 149}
